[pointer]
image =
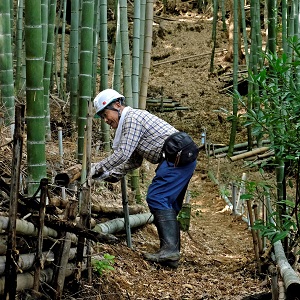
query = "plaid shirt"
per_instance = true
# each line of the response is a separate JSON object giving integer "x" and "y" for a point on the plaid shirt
{"x": 143, "y": 136}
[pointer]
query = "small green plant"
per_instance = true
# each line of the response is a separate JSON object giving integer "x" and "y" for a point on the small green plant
{"x": 105, "y": 264}
{"x": 194, "y": 194}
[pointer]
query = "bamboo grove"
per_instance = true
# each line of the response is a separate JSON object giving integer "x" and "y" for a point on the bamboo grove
{"x": 270, "y": 52}
{"x": 35, "y": 63}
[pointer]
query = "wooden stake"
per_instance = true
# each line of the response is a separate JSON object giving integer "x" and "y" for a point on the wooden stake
{"x": 12, "y": 255}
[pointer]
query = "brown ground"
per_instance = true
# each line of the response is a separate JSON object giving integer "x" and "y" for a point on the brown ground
{"x": 217, "y": 254}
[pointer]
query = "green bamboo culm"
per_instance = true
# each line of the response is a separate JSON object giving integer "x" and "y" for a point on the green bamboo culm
{"x": 284, "y": 23}
{"x": 147, "y": 54}
{"x": 272, "y": 26}
{"x": 96, "y": 46}
{"x": 85, "y": 70}
{"x": 20, "y": 54}
{"x": 297, "y": 38}
{"x": 34, "y": 96}
{"x": 235, "y": 78}
{"x": 73, "y": 62}
{"x": 257, "y": 24}
{"x": 245, "y": 38}
{"x": 142, "y": 37}
{"x": 48, "y": 66}
{"x": 45, "y": 13}
{"x": 291, "y": 26}
{"x": 62, "y": 56}
{"x": 135, "y": 54}
{"x": 117, "y": 75}
{"x": 214, "y": 35}
{"x": 127, "y": 86}
{"x": 104, "y": 68}
{"x": 135, "y": 174}
{"x": 6, "y": 65}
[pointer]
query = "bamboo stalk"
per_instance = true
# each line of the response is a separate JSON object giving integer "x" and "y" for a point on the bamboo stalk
{"x": 249, "y": 153}
{"x": 25, "y": 280}
{"x": 39, "y": 250}
{"x": 26, "y": 260}
{"x": 68, "y": 176}
{"x": 274, "y": 281}
{"x": 254, "y": 235}
{"x": 236, "y": 146}
{"x": 12, "y": 254}
{"x": 289, "y": 276}
{"x": 118, "y": 224}
{"x": 260, "y": 247}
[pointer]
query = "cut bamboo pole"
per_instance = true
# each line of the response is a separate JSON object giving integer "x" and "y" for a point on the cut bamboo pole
{"x": 118, "y": 224}
{"x": 237, "y": 146}
{"x": 68, "y": 176}
{"x": 26, "y": 260}
{"x": 289, "y": 276}
{"x": 249, "y": 153}
{"x": 25, "y": 280}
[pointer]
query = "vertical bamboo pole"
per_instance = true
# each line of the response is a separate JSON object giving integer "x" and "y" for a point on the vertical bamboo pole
{"x": 11, "y": 253}
{"x": 39, "y": 253}
{"x": 254, "y": 235}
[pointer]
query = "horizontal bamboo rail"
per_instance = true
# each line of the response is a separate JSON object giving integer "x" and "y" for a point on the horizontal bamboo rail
{"x": 249, "y": 153}
{"x": 290, "y": 277}
{"x": 118, "y": 224}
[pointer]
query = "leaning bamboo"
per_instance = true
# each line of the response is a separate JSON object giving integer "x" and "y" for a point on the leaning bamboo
{"x": 249, "y": 153}
{"x": 290, "y": 277}
{"x": 119, "y": 223}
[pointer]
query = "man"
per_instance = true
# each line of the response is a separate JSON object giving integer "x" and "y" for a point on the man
{"x": 140, "y": 135}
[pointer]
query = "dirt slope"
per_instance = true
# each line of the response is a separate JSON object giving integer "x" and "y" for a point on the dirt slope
{"x": 217, "y": 254}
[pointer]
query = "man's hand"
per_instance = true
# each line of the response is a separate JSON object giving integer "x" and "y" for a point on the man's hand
{"x": 96, "y": 173}
{"x": 93, "y": 169}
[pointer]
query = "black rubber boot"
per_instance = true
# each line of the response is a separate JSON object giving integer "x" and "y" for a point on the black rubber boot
{"x": 169, "y": 236}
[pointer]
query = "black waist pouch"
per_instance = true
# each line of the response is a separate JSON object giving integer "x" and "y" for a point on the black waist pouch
{"x": 180, "y": 149}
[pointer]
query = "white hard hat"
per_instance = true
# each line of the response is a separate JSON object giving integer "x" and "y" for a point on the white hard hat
{"x": 106, "y": 97}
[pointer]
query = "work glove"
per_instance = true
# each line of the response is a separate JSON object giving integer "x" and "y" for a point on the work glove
{"x": 97, "y": 174}
{"x": 101, "y": 176}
